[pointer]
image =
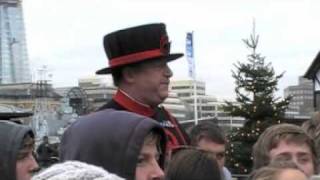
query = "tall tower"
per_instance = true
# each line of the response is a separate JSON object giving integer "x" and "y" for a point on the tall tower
{"x": 14, "y": 64}
{"x": 41, "y": 109}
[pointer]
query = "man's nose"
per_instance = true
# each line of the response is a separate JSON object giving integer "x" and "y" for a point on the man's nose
{"x": 296, "y": 161}
{"x": 157, "y": 173}
{"x": 168, "y": 71}
{"x": 33, "y": 165}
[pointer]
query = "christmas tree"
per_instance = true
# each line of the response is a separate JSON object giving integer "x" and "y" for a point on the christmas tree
{"x": 256, "y": 84}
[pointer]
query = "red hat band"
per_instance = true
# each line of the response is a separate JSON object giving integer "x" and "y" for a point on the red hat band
{"x": 136, "y": 57}
{"x": 137, "y": 44}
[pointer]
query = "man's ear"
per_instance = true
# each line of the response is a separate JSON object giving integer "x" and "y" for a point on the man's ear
{"x": 128, "y": 74}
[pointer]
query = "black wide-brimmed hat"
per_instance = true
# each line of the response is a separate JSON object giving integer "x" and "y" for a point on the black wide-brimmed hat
{"x": 137, "y": 44}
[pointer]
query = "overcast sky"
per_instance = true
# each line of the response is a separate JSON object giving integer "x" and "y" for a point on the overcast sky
{"x": 66, "y": 35}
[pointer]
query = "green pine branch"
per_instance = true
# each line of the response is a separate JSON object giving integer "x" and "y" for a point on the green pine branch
{"x": 256, "y": 83}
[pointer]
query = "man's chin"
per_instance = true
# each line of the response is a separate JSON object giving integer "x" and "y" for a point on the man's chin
{"x": 164, "y": 96}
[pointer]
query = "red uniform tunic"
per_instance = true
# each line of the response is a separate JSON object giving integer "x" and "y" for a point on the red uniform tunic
{"x": 176, "y": 135}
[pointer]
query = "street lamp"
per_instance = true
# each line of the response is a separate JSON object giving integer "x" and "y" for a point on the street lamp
{"x": 313, "y": 73}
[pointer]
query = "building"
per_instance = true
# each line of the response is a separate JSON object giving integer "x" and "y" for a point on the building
{"x": 301, "y": 103}
{"x": 24, "y": 95}
{"x": 224, "y": 119}
{"x": 185, "y": 88}
{"x": 14, "y": 64}
{"x": 39, "y": 99}
{"x": 313, "y": 73}
{"x": 180, "y": 101}
{"x": 100, "y": 92}
{"x": 185, "y": 91}
{"x": 209, "y": 108}
{"x": 178, "y": 108}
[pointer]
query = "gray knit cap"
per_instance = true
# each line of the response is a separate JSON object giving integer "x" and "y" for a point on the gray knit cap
{"x": 75, "y": 170}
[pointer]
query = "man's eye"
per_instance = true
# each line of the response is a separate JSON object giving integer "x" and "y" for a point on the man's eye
{"x": 220, "y": 155}
{"x": 141, "y": 161}
{"x": 304, "y": 160}
{"x": 21, "y": 156}
{"x": 283, "y": 157}
{"x": 159, "y": 64}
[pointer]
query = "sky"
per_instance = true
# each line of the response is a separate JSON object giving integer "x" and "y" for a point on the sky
{"x": 66, "y": 36}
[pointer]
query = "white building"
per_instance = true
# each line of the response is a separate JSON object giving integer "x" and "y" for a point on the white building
{"x": 177, "y": 107}
{"x": 208, "y": 107}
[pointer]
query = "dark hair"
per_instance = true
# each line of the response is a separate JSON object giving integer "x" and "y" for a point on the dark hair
{"x": 192, "y": 164}
{"x": 207, "y": 130}
{"x": 26, "y": 146}
{"x": 154, "y": 137}
{"x": 117, "y": 75}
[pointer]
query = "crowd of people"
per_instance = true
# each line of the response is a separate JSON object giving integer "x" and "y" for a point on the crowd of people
{"x": 133, "y": 137}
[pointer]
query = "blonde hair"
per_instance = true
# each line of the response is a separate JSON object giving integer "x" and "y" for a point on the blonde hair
{"x": 272, "y": 171}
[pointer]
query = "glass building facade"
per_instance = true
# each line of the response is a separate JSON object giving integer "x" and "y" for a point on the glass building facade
{"x": 14, "y": 63}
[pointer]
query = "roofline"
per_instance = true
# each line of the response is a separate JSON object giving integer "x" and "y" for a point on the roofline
{"x": 7, "y": 116}
{"x": 313, "y": 68}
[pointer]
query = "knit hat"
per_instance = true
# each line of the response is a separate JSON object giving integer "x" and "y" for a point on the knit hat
{"x": 75, "y": 170}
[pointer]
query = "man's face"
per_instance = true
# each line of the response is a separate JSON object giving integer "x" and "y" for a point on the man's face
{"x": 217, "y": 149}
{"x": 300, "y": 154}
{"x": 25, "y": 165}
{"x": 152, "y": 82}
{"x": 147, "y": 166}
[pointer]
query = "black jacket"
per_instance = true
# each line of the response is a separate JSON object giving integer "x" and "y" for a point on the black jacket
{"x": 110, "y": 139}
{"x": 11, "y": 137}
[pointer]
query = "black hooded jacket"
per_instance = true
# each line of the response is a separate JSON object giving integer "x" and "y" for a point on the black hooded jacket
{"x": 11, "y": 137}
{"x": 110, "y": 139}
